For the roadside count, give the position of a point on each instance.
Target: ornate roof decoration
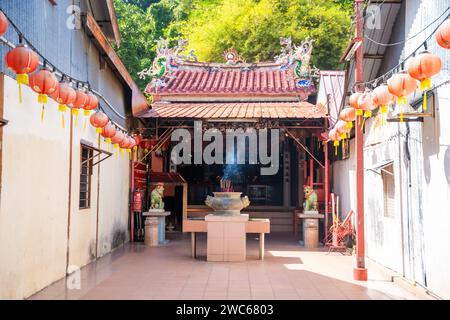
(232, 57)
(166, 62)
(290, 74)
(296, 60)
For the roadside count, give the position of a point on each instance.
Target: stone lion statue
(310, 203)
(157, 194)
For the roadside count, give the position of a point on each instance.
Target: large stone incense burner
(227, 202)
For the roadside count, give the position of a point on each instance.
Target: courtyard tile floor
(288, 272)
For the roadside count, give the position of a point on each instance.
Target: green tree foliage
(255, 27)
(252, 27)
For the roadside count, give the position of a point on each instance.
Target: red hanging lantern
(382, 98)
(132, 144)
(342, 128)
(22, 61)
(44, 83)
(348, 114)
(108, 132)
(79, 103)
(335, 137)
(65, 95)
(138, 138)
(422, 68)
(124, 143)
(117, 139)
(353, 101)
(148, 144)
(401, 85)
(99, 120)
(91, 104)
(365, 103)
(3, 24)
(443, 35)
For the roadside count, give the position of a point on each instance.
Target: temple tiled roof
(241, 110)
(232, 81)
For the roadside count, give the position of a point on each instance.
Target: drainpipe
(359, 271)
(69, 201)
(98, 203)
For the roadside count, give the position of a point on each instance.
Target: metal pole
(327, 190)
(360, 271)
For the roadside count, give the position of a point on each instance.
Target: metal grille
(387, 174)
(85, 177)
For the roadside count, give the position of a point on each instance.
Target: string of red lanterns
(24, 61)
(421, 69)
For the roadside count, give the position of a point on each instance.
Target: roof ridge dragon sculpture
(297, 61)
(166, 62)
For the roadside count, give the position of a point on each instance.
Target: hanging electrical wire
(401, 65)
(410, 38)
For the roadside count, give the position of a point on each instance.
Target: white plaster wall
(436, 196)
(343, 181)
(435, 164)
(35, 194)
(33, 204)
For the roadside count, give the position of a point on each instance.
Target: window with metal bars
(85, 177)
(387, 174)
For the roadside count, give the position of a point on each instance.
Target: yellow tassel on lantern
(22, 79)
(129, 153)
(424, 103)
(343, 146)
(63, 109)
(359, 112)
(336, 145)
(116, 146)
(87, 113)
(108, 140)
(383, 111)
(42, 113)
(402, 101)
(42, 98)
(98, 130)
(349, 124)
(425, 84)
(367, 114)
(75, 113)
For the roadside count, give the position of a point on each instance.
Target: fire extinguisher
(137, 201)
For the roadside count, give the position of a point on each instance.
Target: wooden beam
(139, 103)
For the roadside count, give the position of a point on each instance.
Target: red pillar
(327, 189)
(360, 271)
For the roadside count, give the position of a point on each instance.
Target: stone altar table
(226, 237)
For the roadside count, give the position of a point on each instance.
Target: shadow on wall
(430, 140)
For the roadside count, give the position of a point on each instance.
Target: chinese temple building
(235, 94)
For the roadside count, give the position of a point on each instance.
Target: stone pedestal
(226, 237)
(151, 232)
(311, 228)
(161, 216)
